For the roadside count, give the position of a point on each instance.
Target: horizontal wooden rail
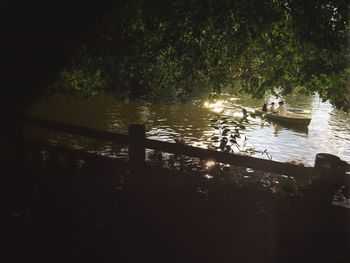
(121, 139)
(74, 153)
(234, 159)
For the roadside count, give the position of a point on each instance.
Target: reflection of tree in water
(339, 125)
(278, 129)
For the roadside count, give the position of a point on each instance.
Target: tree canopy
(170, 49)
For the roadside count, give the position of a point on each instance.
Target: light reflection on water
(190, 123)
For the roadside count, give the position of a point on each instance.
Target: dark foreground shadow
(101, 213)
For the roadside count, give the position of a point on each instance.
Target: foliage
(227, 132)
(83, 75)
(167, 49)
(228, 135)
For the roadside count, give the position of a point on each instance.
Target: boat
(290, 118)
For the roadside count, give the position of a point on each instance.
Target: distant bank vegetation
(171, 50)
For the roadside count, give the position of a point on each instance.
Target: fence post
(136, 147)
(331, 173)
(330, 168)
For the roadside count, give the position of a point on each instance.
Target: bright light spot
(208, 176)
(209, 164)
(218, 110)
(216, 106)
(237, 114)
(218, 103)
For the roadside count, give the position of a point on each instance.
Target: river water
(190, 122)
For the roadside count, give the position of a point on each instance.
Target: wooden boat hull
(290, 118)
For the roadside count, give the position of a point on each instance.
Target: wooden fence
(330, 166)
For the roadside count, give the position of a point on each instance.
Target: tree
(167, 49)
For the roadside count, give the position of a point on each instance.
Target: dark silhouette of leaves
(225, 131)
(223, 143)
(233, 141)
(227, 148)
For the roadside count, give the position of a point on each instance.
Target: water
(190, 122)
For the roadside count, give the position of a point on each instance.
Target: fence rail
(234, 159)
(117, 138)
(138, 143)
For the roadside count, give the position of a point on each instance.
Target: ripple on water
(327, 132)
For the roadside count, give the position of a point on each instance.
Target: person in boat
(281, 110)
(272, 108)
(264, 107)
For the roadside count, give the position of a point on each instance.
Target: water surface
(190, 122)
